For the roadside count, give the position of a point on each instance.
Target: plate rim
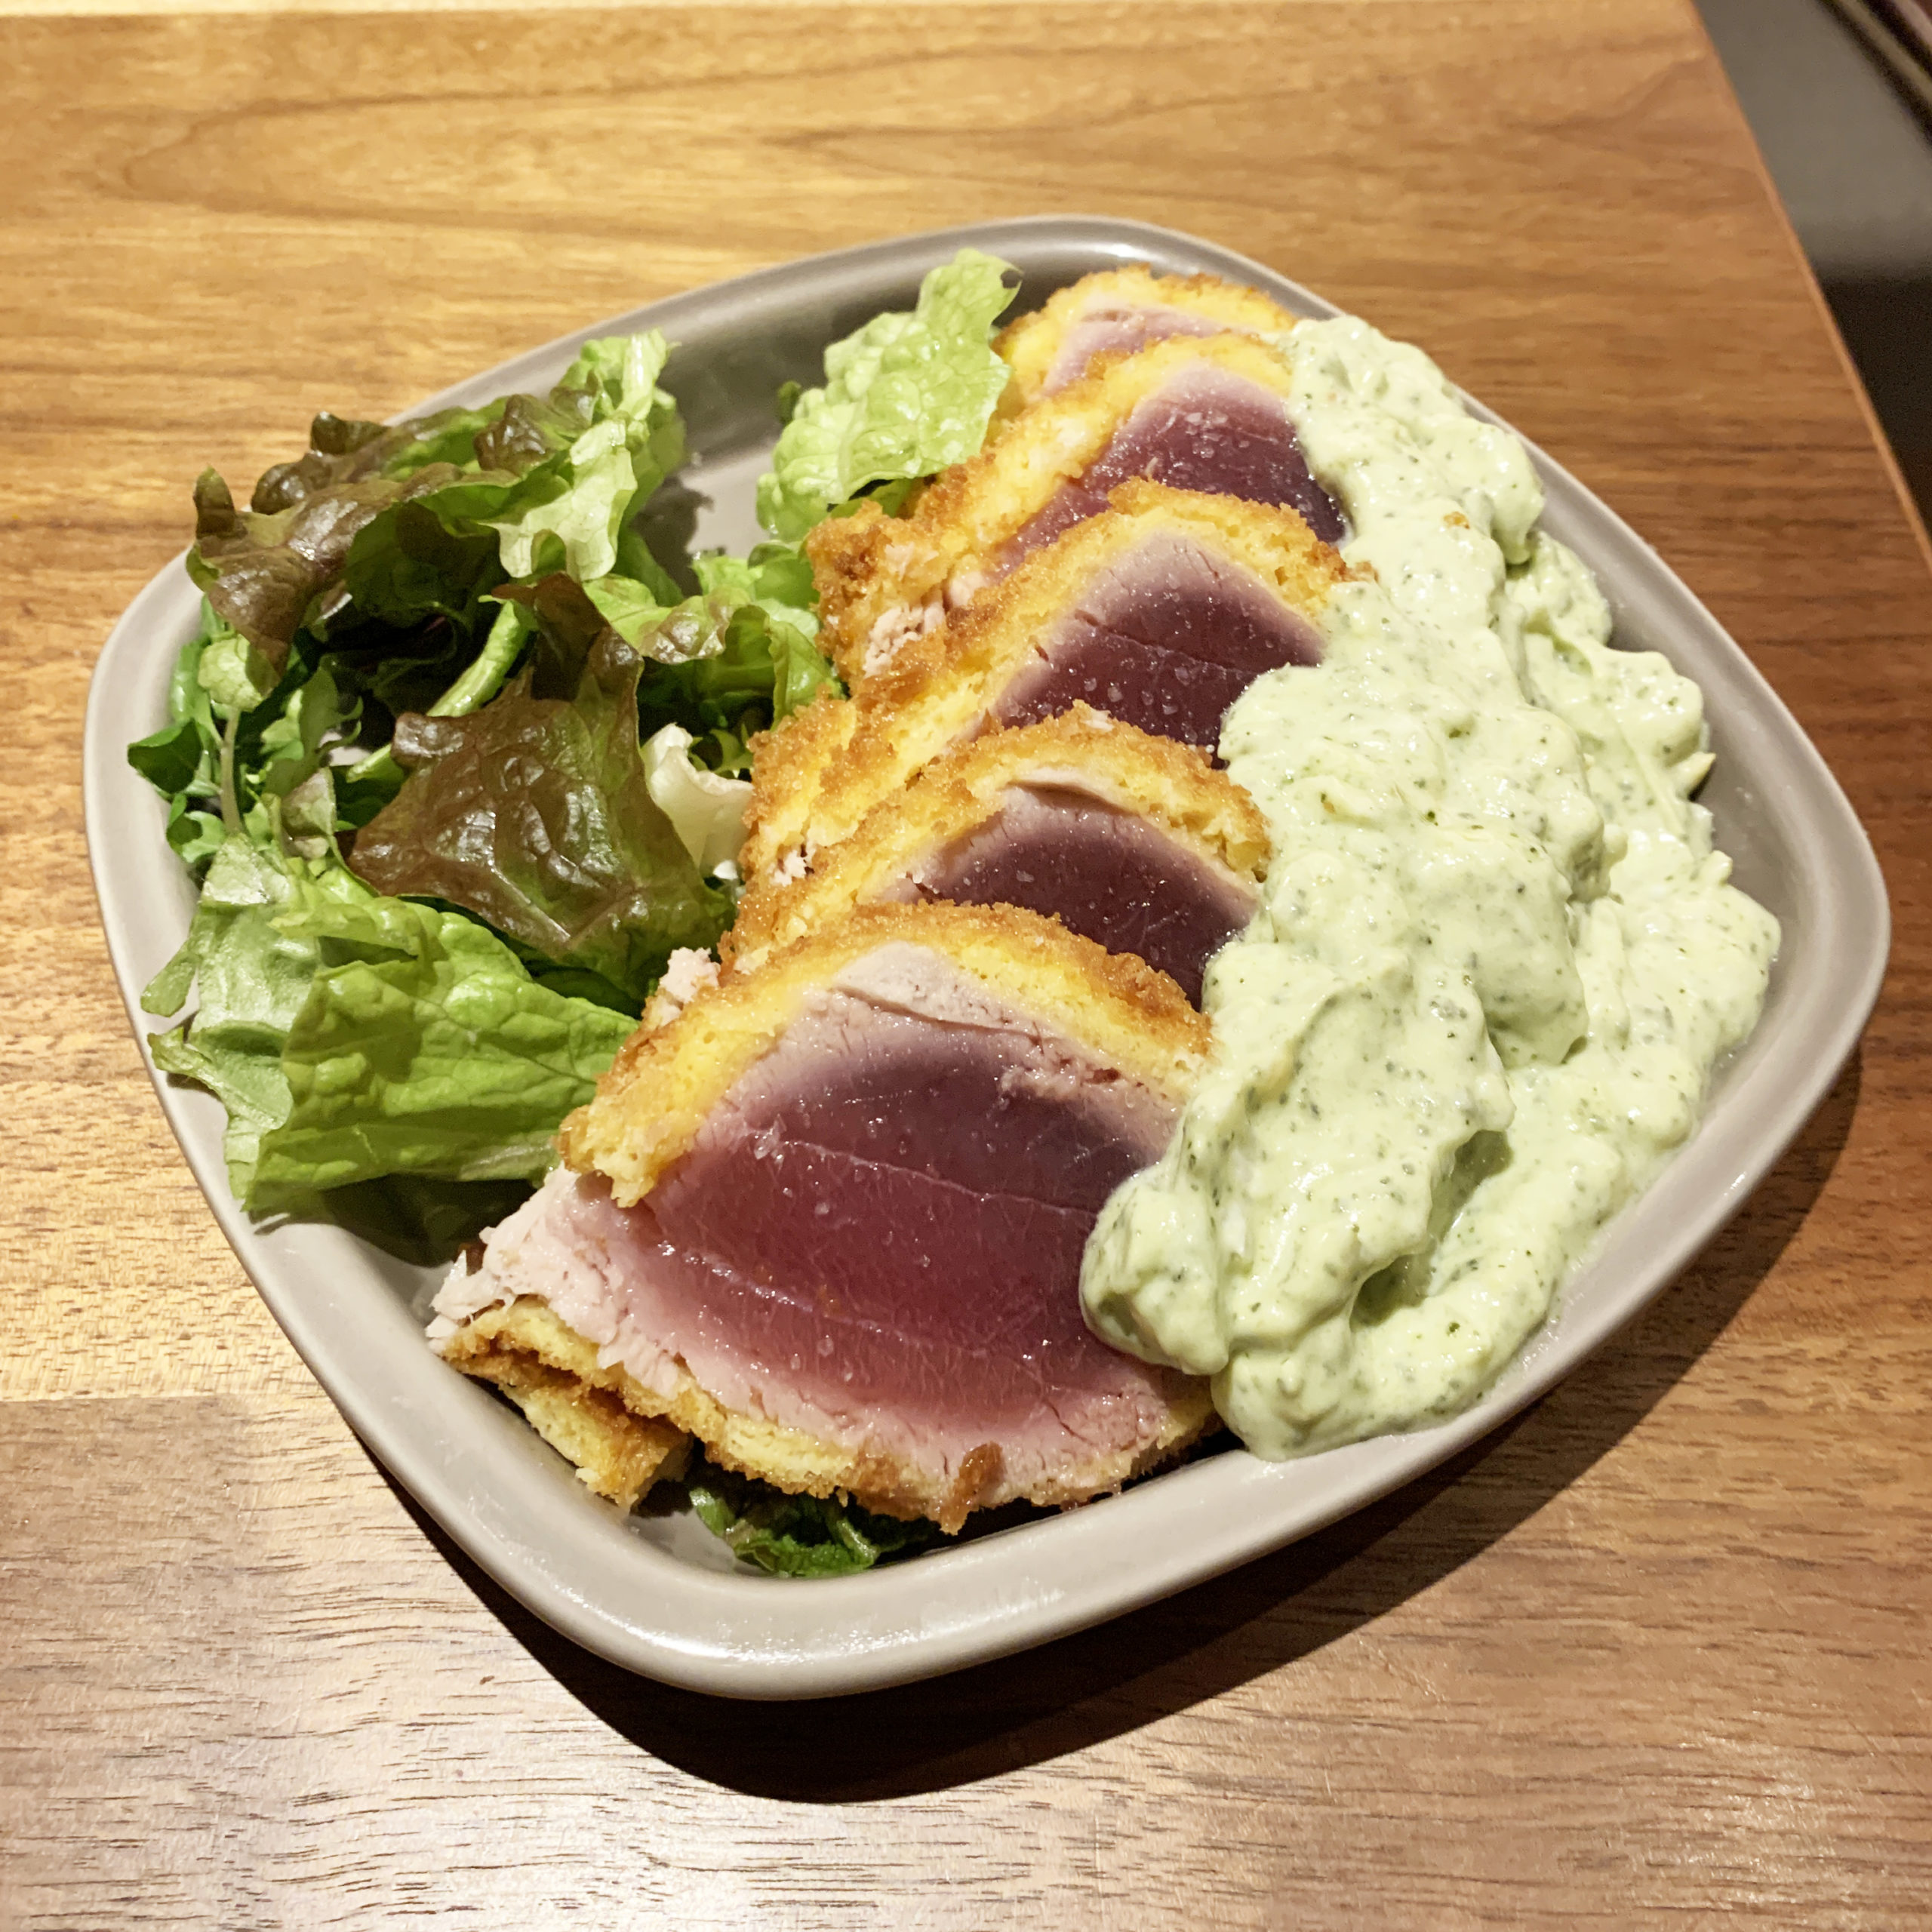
(783, 1639)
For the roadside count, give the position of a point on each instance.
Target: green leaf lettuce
(350, 1036)
(276, 567)
(400, 524)
(904, 396)
(535, 814)
(797, 1535)
(251, 977)
(569, 510)
(425, 1048)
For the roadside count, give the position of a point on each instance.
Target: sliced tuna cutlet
(1135, 842)
(1118, 312)
(1160, 612)
(1210, 414)
(830, 1219)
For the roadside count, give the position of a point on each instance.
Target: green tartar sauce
(1496, 958)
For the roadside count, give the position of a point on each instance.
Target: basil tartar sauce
(1496, 958)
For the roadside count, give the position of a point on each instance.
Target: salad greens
(534, 814)
(903, 397)
(797, 1535)
(458, 762)
(424, 1047)
(402, 618)
(351, 1036)
(252, 979)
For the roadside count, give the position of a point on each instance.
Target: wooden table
(1657, 1648)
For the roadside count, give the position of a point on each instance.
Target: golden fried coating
(608, 1424)
(665, 1080)
(1173, 785)
(597, 1418)
(1033, 344)
(622, 1437)
(923, 620)
(791, 764)
(856, 752)
(885, 581)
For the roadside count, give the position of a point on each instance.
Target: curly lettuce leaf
(569, 510)
(724, 675)
(183, 760)
(317, 715)
(262, 572)
(720, 668)
(561, 478)
(250, 977)
(343, 451)
(629, 606)
(421, 558)
(904, 396)
(423, 1047)
(276, 566)
(797, 1535)
(798, 673)
(535, 814)
(776, 576)
(351, 1037)
(400, 525)
(228, 746)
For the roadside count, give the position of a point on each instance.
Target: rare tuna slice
(1158, 613)
(1118, 311)
(1102, 872)
(1211, 414)
(828, 1217)
(1166, 636)
(1207, 429)
(1133, 841)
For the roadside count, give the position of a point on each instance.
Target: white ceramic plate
(659, 1594)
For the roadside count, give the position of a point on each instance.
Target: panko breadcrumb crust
(1031, 344)
(1173, 784)
(596, 1416)
(875, 572)
(816, 776)
(664, 1082)
(606, 1422)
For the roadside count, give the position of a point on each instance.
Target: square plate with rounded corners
(657, 1594)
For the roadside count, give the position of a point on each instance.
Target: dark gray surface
(1847, 143)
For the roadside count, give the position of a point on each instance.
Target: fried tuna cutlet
(1136, 842)
(1118, 311)
(1160, 612)
(1208, 414)
(830, 1219)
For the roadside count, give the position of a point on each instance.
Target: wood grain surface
(1656, 1651)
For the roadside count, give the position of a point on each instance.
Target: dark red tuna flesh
(1122, 331)
(1111, 875)
(1207, 430)
(1167, 637)
(888, 1214)
(875, 1239)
